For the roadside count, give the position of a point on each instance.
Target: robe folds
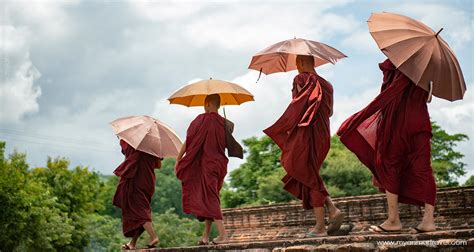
(135, 189)
(203, 167)
(303, 135)
(392, 137)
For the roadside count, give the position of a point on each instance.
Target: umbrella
(149, 135)
(194, 94)
(281, 57)
(420, 53)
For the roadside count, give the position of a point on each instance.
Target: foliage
(258, 180)
(469, 181)
(446, 161)
(58, 208)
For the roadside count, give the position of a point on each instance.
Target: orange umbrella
(149, 135)
(195, 93)
(420, 53)
(281, 57)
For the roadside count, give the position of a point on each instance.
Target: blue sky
(71, 67)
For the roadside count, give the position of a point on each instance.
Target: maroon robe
(303, 135)
(135, 189)
(203, 167)
(391, 136)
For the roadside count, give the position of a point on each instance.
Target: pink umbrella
(281, 57)
(149, 135)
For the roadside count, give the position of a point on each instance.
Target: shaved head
(305, 60)
(213, 100)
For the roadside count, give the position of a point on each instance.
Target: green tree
(77, 192)
(344, 174)
(469, 181)
(446, 161)
(256, 181)
(30, 219)
(167, 190)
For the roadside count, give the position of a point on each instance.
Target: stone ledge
(361, 242)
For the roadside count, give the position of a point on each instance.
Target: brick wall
(454, 209)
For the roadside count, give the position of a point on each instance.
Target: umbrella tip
(438, 32)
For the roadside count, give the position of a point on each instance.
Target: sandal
(382, 230)
(153, 245)
(415, 230)
(312, 234)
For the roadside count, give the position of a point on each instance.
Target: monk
(303, 135)
(391, 136)
(202, 166)
(134, 193)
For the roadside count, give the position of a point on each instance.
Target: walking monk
(134, 193)
(203, 167)
(303, 135)
(391, 136)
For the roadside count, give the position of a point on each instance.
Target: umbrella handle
(259, 74)
(224, 112)
(430, 94)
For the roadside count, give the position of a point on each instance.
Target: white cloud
(47, 20)
(255, 26)
(159, 11)
(18, 94)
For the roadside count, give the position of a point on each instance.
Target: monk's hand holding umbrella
(302, 132)
(392, 135)
(202, 163)
(144, 141)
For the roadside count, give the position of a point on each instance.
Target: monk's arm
(181, 152)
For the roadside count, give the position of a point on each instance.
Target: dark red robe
(303, 135)
(203, 167)
(135, 189)
(392, 135)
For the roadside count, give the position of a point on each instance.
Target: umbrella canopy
(149, 135)
(420, 53)
(195, 93)
(281, 57)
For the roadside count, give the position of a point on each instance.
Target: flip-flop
(419, 231)
(335, 223)
(312, 234)
(217, 243)
(153, 245)
(384, 231)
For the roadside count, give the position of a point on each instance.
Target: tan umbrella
(195, 93)
(420, 53)
(281, 57)
(149, 135)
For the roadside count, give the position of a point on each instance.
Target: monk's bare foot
(203, 241)
(128, 246)
(220, 240)
(334, 212)
(423, 228)
(336, 217)
(387, 226)
(153, 243)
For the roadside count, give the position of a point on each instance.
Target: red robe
(303, 135)
(135, 189)
(203, 167)
(391, 136)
